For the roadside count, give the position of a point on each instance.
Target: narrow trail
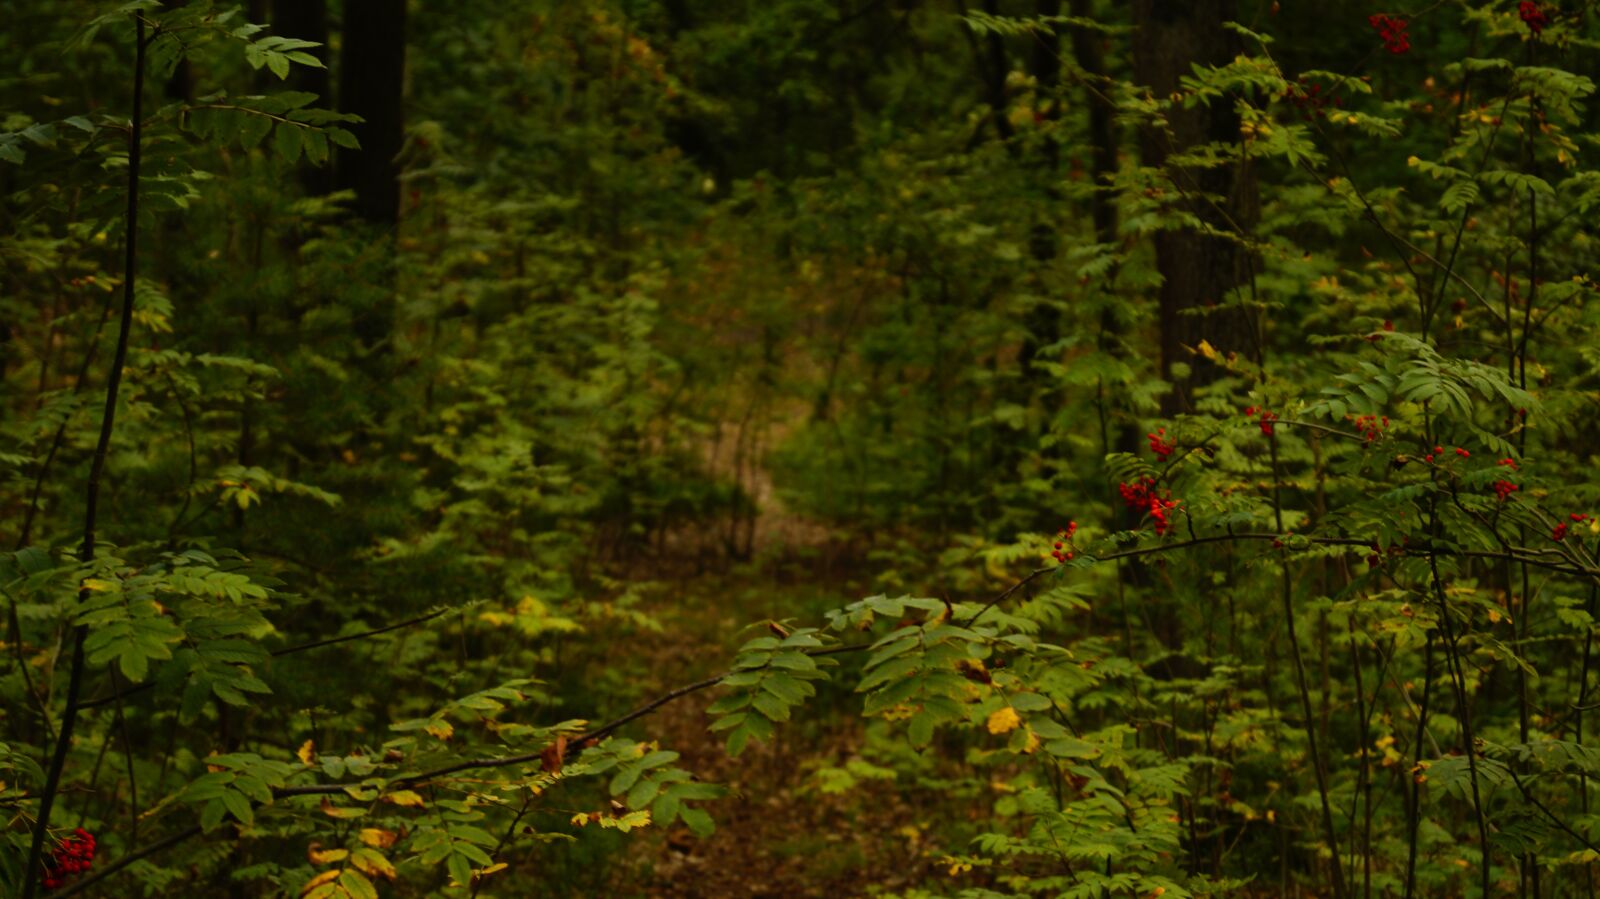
(779, 834)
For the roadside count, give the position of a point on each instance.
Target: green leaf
(287, 141)
(771, 706)
(252, 129)
(698, 822)
(316, 145)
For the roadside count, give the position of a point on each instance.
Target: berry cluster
(1439, 451)
(1560, 531)
(72, 857)
(1372, 427)
(1142, 495)
(1308, 97)
(1063, 548)
(1532, 15)
(1504, 489)
(1393, 31)
(1263, 416)
(1159, 444)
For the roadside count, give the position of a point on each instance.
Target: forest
(916, 449)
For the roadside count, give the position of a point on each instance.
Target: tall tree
(371, 85)
(1198, 270)
(307, 20)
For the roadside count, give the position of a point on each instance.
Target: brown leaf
(551, 758)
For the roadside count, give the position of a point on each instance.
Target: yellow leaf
(581, 819)
(409, 798)
(307, 752)
(378, 838)
(1004, 720)
(326, 856)
(1207, 350)
(319, 880)
(440, 729)
(495, 868)
(1033, 743)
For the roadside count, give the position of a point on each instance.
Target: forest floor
(778, 834)
(787, 829)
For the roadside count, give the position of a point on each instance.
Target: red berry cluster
(1504, 489)
(1308, 97)
(1560, 531)
(1372, 427)
(1142, 495)
(1159, 444)
(72, 857)
(1532, 16)
(1439, 451)
(1063, 547)
(1265, 418)
(1393, 31)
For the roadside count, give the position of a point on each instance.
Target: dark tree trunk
(307, 20)
(1198, 271)
(372, 64)
(1044, 64)
(371, 80)
(993, 65)
(1088, 48)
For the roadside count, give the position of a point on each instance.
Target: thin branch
(58, 760)
(143, 852)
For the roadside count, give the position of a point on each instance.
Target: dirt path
(779, 834)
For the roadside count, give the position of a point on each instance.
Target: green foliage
(401, 524)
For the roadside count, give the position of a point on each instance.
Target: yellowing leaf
(378, 837)
(337, 811)
(319, 880)
(408, 798)
(326, 856)
(307, 752)
(581, 819)
(495, 868)
(373, 862)
(1207, 350)
(1003, 720)
(440, 729)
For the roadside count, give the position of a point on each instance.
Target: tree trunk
(372, 66)
(371, 82)
(1044, 64)
(307, 20)
(1198, 271)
